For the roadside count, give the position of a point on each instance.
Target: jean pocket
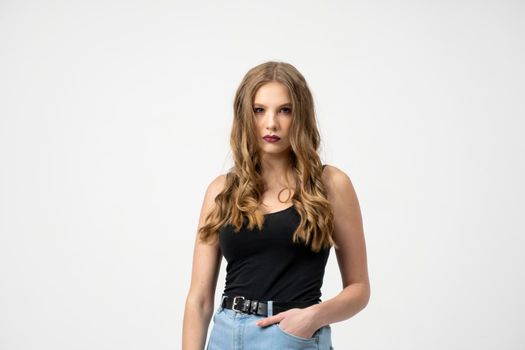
(296, 337)
(217, 311)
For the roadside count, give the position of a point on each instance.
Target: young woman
(274, 217)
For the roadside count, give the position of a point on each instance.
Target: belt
(260, 308)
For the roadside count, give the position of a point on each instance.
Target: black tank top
(267, 265)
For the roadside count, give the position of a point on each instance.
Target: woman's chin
(275, 152)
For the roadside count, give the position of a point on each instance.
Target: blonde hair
(242, 193)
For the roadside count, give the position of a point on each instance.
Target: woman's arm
(205, 270)
(351, 252)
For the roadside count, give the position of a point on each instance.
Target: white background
(115, 116)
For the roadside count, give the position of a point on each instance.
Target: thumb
(270, 320)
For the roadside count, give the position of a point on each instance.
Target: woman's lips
(271, 138)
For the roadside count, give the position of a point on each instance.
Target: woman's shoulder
(331, 173)
(335, 179)
(216, 185)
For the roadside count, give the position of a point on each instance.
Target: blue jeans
(238, 331)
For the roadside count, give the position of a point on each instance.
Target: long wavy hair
(242, 194)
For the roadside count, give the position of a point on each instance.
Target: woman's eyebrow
(284, 104)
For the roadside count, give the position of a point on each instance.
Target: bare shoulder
(216, 185)
(343, 199)
(348, 227)
(336, 181)
(206, 257)
(208, 202)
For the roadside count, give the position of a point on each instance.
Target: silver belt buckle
(236, 303)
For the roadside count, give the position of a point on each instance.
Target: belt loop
(269, 305)
(222, 301)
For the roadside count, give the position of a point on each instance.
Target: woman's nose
(270, 121)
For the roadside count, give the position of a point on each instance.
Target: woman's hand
(299, 322)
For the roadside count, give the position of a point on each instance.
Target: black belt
(260, 308)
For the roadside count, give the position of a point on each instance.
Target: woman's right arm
(206, 264)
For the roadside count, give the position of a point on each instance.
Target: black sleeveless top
(267, 265)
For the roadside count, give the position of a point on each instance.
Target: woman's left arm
(351, 252)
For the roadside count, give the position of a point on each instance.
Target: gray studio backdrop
(115, 116)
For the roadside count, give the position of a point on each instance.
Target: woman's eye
(285, 110)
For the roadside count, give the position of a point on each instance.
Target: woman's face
(273, 116)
